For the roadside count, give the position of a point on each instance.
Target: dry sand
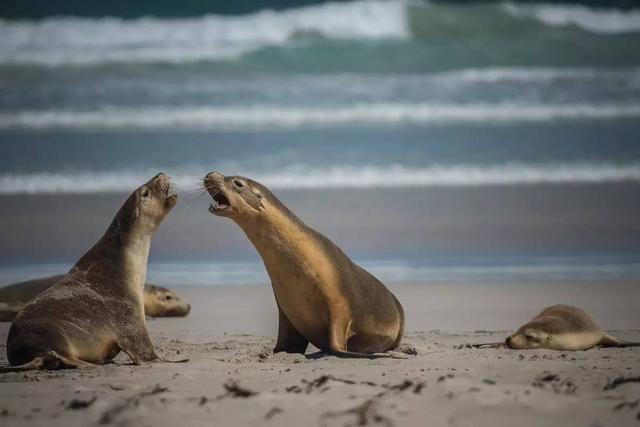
(232, 377)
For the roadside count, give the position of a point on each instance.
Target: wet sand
(232, 378)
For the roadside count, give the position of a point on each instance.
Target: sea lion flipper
(609, 341)
(339, 333)
(138, 347)
(289, 339)
(49, 361)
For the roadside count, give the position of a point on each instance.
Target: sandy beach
(232, 378)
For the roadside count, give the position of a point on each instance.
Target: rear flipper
(49, 361)
(356, 355)
(483, 345)
(339, 333)
(609, 341)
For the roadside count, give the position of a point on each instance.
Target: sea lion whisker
(372, 309)
(186, 204)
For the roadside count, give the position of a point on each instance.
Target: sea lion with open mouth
(97, 309)
(158, 301)
(322, 296)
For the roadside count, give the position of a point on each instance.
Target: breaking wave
(278, 117)
(301, 176)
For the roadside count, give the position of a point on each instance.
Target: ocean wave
(301, 176)
(629, 76)
(278, 117)
(604, 21)
(64, 40)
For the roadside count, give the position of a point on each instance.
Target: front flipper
(289, 339)
(138, 346)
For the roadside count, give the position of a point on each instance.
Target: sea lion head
(146, 207)
(530, 336)
(236, 197)
(161, 302)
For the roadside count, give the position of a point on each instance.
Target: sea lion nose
(161, 176)
(508, 342)
(214, 177)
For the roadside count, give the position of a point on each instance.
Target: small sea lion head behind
(161, 302)
(146, 207)
(237, 197)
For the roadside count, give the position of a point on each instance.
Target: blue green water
(365, 94)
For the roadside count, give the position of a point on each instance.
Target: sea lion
(97, 309)
(562, 327)
(322, 296)
(158, 301)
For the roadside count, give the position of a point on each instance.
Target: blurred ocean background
(433, 142)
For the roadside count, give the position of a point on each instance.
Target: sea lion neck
(119, 257)
(273, 229)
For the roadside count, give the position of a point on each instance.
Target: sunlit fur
(323, 296)
(559, 327)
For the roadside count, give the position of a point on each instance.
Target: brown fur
(562, 327)
(322, 296)
(96, 310)
(158, 301)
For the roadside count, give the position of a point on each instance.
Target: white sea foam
(629, 76)
(302, 176)
(605, 21)
(267, 117)
(84, 41)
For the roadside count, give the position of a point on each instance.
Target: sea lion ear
(136, 210)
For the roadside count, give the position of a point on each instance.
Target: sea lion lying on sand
(560, 327)
(322, 296)
(97, 309)
(158, 301)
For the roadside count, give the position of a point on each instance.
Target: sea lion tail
(609, 341)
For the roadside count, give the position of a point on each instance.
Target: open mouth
(169, 194)
(220, 202)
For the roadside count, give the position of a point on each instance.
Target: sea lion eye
(168, 297)
(238, 183)
(145, 192)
